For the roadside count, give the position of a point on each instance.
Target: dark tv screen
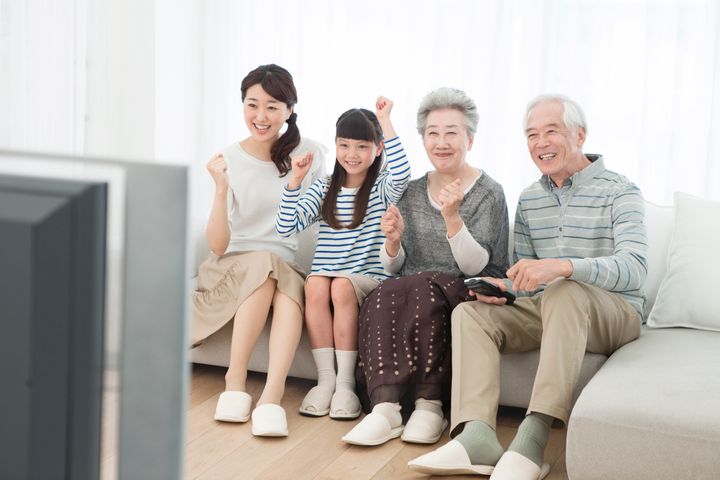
(52, 284)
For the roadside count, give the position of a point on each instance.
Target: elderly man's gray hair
(573, 115)
(446, 97)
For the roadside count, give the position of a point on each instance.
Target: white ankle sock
(434, 406)
(391, 411)
(325, 362)
(346, 360)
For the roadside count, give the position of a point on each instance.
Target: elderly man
(580, 251)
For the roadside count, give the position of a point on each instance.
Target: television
(52, 279)
(146, 258)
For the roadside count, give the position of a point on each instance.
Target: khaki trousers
(566, 320)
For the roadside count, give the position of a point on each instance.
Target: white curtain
(42, 75)
(647, 73)
(160, 79)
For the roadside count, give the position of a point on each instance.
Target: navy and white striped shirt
(354, 250)
(598, 224)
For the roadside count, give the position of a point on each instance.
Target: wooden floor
(313, 450)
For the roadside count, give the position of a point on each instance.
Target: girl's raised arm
(297, 213)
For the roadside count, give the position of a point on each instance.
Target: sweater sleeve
(489, 227)
(470, 256)
(626, 268)
(296, 212)
(392, 186)
(392, 264)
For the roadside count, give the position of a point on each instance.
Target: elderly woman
(450, 224)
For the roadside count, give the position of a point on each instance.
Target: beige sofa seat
(651, 412)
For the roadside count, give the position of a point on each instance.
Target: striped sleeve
(392, 186)
(296, 212)
(626, 268)
(522, 242)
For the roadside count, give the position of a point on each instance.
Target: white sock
(346, 360)
(434, 406)
(391, 411)
(325, 362)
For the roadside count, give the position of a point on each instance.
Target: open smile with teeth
(547, 156)
(262, 128)
(352, 164)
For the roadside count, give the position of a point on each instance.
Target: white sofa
(652, 411)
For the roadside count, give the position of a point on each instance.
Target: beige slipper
(316, 402)
(450, 459)
(513, 466)
(424, 426)
(345, 405)
(269, 420)
(233, 406)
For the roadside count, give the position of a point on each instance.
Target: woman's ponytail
(280, 151)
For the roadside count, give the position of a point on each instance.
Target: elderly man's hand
(490, 299)
(529, 274)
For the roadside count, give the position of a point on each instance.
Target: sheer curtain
(42, 79)
(647, 73)
(161, 79)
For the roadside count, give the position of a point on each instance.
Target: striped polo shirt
(598, 223)
(346, 250)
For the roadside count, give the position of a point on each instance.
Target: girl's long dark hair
(355, 124)
(278, 83)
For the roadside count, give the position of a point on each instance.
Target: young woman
(251, 268)
(346, 266)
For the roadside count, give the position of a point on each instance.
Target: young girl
(251, 268)
(346, 266)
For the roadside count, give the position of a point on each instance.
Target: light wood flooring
(313, 450)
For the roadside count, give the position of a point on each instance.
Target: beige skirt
(225, 282)
(363, 285)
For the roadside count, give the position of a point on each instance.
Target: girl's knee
(317, 290)
(342, 291)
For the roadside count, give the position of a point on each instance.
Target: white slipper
(345, 405)
(316, 402)
(424, 426)
(374, 429)
(233, 406)
(269, 420)
(450, 459)
(513, 466)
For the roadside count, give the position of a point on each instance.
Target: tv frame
(84, 318)
(153, 364)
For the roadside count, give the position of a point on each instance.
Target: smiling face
(555, 149)
(264, 115)
(356, 157)
(446, 140)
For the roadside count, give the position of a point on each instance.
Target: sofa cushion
(651, 412)
(687, 296)
(659, 222)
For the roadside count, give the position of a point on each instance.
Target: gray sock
(532, 437)
(480, 442)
